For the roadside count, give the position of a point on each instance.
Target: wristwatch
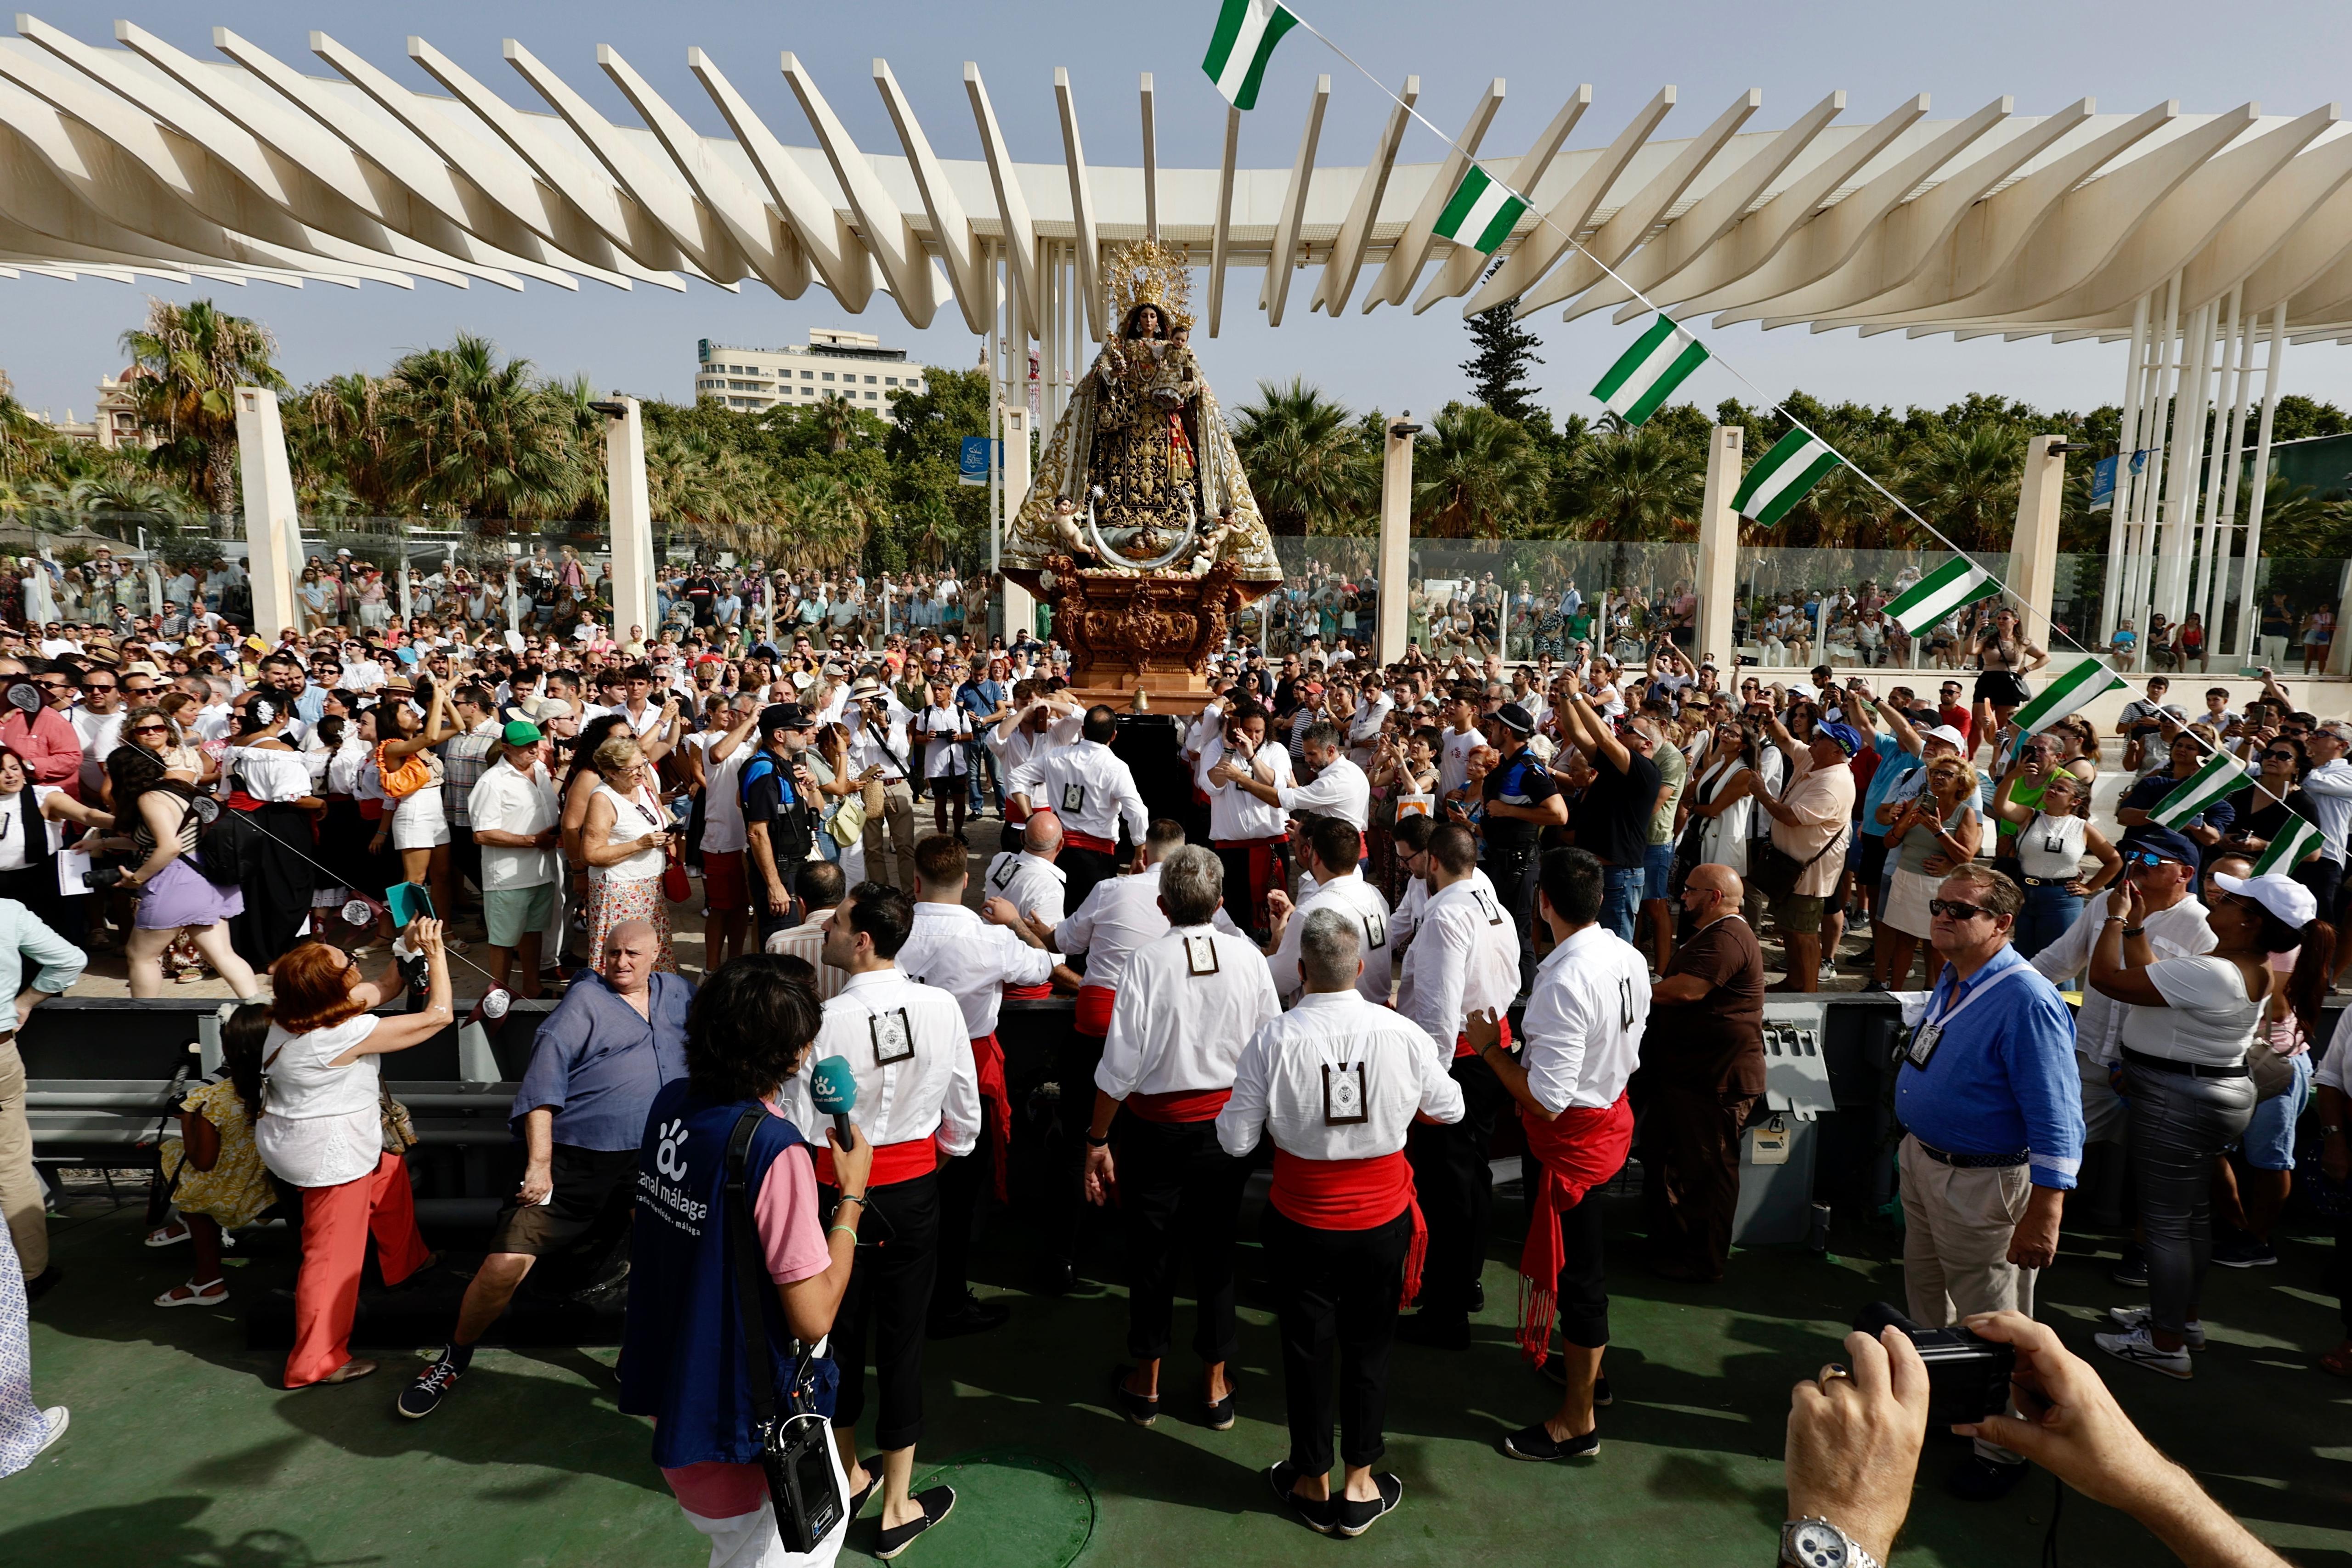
(1815, 1543)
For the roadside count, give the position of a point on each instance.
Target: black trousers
(1513, 872)
(1456, 1188)
(890, 1283)
(1690, 1184)
(1180, 1197)
(1583, 1283)
(278, 880)
(1336, 1286)
(1239, 907)
(1081, 870)
(962, 1180)
(1065, 1145)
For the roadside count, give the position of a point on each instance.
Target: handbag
(405, 778)
(676, 886)
(848, 823)
(399, 1127)
(795, 1440)
(2273, 1074)
(1774, 873)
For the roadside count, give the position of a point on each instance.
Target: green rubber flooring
(182, 1453)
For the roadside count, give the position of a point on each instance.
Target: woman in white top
(714, 765)
(2186, 1034)
(269, 785)
(625, 840)
(32, 832)
(322, 1129)
(2051, 843)
(1723, 801)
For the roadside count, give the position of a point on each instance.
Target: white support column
(2119, 499)
(633, 519)
(1718, 552)
(2178, 506)
(2140, 592)
(2234, 446)
(1013, 417)
(2259, 482)
(1396, 540)
(2034, 548)
(269, 515)
(2213, 549)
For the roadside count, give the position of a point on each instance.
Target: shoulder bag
(1773, 871)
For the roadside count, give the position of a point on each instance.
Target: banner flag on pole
(1797, 462)
(2077, 687)
(1246, 32)
(1956, 585)
(2289, 849)
(1482, 213)
(1647, 374)
(2188, 800)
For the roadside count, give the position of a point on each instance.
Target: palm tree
(1630, 484)
(1966, 480)
(468, 435)
(1479, 475)
(191, 359)
(338, 443)
(837, 419)
(1306, 462)
(1847, 509)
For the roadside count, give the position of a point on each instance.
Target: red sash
(1094, 1009)
(1179, 1105)
(892, 1162)
(1029, 993)
(988, 1056)
(1078, 840)
(1579, 1149)
(1265, 866)
(1353, 1194)
(1462, 1041)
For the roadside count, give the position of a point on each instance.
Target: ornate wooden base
(1131, 633)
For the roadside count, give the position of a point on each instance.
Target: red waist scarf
(1352, 1195)
(1579, 1149)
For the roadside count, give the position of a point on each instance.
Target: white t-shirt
(722, 793)
(2211, 1019)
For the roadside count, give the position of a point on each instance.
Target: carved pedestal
(1152, 634)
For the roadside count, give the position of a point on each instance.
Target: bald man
(613, 1042)
(1702, 1073)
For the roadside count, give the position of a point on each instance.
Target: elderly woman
(322, 1130)
(2189, 1025)
(625, 840)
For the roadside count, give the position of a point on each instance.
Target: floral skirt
(613, 903)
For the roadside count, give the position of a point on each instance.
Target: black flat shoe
(857, 1500)
(936, 1503)
(1314, 1516)
(1534, 1443)
(1217, 1415)
(1351, 1519)
(1127, 1402)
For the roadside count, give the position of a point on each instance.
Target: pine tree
(1497, 367)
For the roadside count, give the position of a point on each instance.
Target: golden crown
(1146, 272)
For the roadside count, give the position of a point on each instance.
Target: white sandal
(207, 1295)
(162, 1236)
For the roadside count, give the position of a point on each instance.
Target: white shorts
(1907, 893)
(419, 823)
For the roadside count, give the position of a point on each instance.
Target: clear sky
(57, 339)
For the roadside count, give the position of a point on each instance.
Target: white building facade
(834, 362)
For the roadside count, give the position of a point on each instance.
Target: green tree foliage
(1312, 464)
(191, 359)
(1476, 474)
(1501, 350)
(472, 437)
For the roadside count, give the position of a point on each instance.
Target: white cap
(1949, 735)
(2284, 897)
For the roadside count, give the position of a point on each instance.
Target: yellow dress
(237, 1187)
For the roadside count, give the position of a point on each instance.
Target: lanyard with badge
(1930, 1032)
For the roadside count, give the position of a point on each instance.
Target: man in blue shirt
(616, 1038)
(1987, 1093)
(982, 695)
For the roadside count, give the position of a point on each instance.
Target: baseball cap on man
(519, 732)
(2164, 843)
(777, 716)
(1848, 739)
(1514, 719)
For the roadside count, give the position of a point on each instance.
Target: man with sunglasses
(97, 722)
(44, 739)
(2329, 787)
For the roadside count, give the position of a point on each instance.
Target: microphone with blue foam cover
(834, 1089)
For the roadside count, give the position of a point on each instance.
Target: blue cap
(833, 1087)
(1848, 738)
(2164, 843)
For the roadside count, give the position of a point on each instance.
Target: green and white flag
(1246, 32)
(2188, 800)
(2289, 848)
(2079, 687)
(1648, 373)
(1482, 213)
(1956, 585)
(1797, 462)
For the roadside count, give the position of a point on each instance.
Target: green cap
(520, 732)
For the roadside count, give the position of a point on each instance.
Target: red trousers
(336, 1224)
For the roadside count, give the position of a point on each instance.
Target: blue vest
(681, 1356)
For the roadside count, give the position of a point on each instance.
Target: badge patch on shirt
(893, 1037)
(1487, 904)
(1922, 1044)
(1200, 955)
(1344, 1102)
(1073, 797)
(1003, 876)
(1376, 932)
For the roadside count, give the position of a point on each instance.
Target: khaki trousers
(892, 862)
(21, 1202)
(1955, 1229)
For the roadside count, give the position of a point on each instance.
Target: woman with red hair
(321, 1130)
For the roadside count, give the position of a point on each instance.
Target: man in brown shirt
(1702, 1074)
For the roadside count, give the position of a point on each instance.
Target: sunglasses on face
(2143, 858)
(2279, 757)
(1955, 908)
(150, 729)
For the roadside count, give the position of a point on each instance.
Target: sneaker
(2136, 1345)
(1351, 1519)
(2143, 1316)
(937, 1504)
(2131, 1269)
(54, 1421)
(1534, 1443)
(2244, 1251)
(423, 1396)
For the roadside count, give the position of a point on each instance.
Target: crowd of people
(1319, 975)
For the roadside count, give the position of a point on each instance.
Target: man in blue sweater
(1989, 1094)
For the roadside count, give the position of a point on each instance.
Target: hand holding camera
(1854, 1435)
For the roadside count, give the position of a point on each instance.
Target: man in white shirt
(514, 812)
(1372, 709)
(1028, 879)
(952, 948)
(918, 1097)
(1584, 1026)
(1092, 790)
(1335, 1083)
(2328, 786)
(1251, 836)
(878, 739)
(1186, 1003)
(1340, 788)
(1040, 721)
(1465, 959)
(1327, 854)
